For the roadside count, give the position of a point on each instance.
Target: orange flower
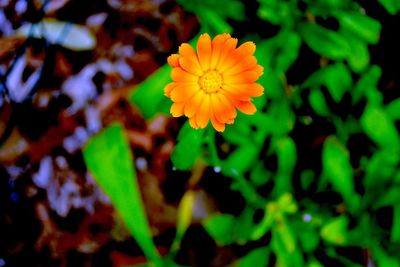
(212, 83)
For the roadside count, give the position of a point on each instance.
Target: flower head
(211, 84)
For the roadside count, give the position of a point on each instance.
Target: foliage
(300, 141)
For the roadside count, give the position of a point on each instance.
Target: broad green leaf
(335, 231)
(242, 158)
(337, 168)
(380, 128)
(149, 95)
(66, 34)
(109, 159)
(324, 42)
(188, 147)
(337, 78)
(361, 26)
(256, 258)
(359, 57)
(392, 6)
(221, 228)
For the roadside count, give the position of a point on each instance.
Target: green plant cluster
(300, 142)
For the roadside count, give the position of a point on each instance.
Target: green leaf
(337, 168)
(214, 21)
(392, 6)
(382, 258)
(380, 128)
(109, 159)
(188, 147)
(359, 57)
(367, 83)
(335, 231)
(242, 158)
(361, 26)
(276, 12)
(381, 167)
(392, 109)
(149, 95)
(277, 54)
(287, 155)
(66, 34)
(309, 239)
(256, 258)
(324, 42)
(395, 235)
(220, 228)
(318, 103)
(337, 78)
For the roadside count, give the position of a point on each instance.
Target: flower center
(210, 82)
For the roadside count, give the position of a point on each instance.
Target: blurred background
(95, 172)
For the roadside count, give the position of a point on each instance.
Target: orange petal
(232, 59)
(227, 105)
(243, 77)
(184, 91)
(192, 123)
(187, 50)
(247, 63)
(247, 49)
(173, 60)
(217, 44)
(191, 65)
(246, 107)
(220, 127)
(220, 111)
(193, 103)
(177, 109)
(179, 75)
(227, 49)
(168, 89)
(234, 93)
(204, 51)
(203, 112)
(249, 90)
(259, 69)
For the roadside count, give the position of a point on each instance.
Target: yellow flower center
(210, 82)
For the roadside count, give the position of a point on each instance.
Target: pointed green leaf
(324, 42)
(109, 159)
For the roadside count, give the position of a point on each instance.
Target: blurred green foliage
(300, 226)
